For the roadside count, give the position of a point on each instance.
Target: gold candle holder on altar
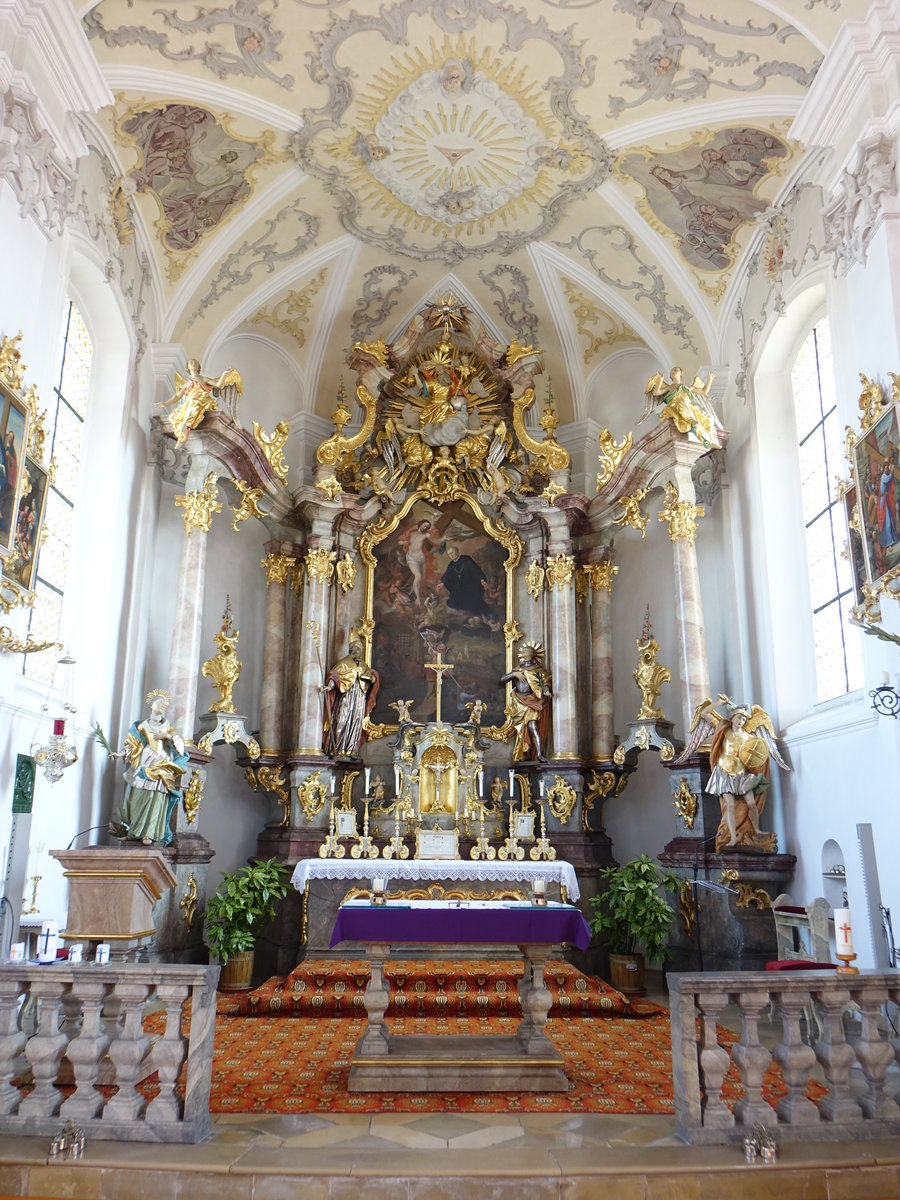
(35, 880)
(844, 967)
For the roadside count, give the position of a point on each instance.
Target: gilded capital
(560, 571)
(278, 567)
(681, 515)
(320, 563)
(200, 507)
(601, 574)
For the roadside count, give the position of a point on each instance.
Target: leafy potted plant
(636, 917)
(243, 901)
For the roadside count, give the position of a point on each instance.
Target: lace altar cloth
(436, 870)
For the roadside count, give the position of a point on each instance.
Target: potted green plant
(635, 917)
(244, 901)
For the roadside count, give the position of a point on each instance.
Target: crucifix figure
(439, 668)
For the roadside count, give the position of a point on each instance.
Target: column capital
(681, 515)
(278, 567)
(320, 563)
(560, 571)
(200, 505)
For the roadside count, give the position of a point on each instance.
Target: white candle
(396, 779)
(542, 785)
(367, 774)
(481, 784)
(886, 679)
(843, 936)
(378, 884)
(512, 782)
(539, 887)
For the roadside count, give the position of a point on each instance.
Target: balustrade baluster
(836, 1057)
(874, 1053)
(127, 1052)
(86, 1052)
(752, 1059)
(796, 1060)
(11, 1042)
(44, 1050)
(168, 1054)
(713, 1061)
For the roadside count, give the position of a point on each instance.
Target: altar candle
(396, 779)
(542, 785)
(481, 784)
(886, 679)
(843, 936)
(539, 887)
(367, 775)
(512, 782)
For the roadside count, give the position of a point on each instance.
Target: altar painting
(878, 486)
(439, 588)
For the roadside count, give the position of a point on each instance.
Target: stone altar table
(524, 1062)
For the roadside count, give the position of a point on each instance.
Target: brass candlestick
(35, 880)
(844, 967)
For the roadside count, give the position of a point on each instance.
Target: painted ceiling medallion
(458, 147)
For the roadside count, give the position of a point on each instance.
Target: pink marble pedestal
(111, 897)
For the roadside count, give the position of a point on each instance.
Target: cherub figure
(688, 408)
(402, 707)
(195, 396)
(742, 744)
(476, 711)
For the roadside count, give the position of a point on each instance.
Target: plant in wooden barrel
(243, 902)
(635, 917)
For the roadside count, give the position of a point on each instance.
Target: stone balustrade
(853, 1054)
(82, 1024)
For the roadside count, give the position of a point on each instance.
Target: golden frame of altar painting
(438, 495)
(876, 472)
(14, 417)
(855, 551)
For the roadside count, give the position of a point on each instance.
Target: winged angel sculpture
(741, 746)
(197, 395)
(688, 408)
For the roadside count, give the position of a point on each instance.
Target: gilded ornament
(224, 668)
(534, 578)
(623, 781)
(631, 511)
(249, 505)
(273, 781)
(687, 906)
(188, 902)
(548, 455)
(231, 732)
(748, 894)
(600, 786)
(611, 454)
(649, 675)
(197, 395)
(205, 744)
(871, 401)
(688, 408)
(582, 584)
(12, 369)
(253, 748)
(330, 487)
(561, 799)
(192, 796)
(37, 434)
(335, 450)
(560, 571)
(666, 750)
(601, 574)
(514, 352)
(346, 573)
(551, 491)
(312, 795)
(320, 563)
(682, 515)
(200, 506)
(272, 447)
(619, 758)
(250, 778)
(278, 567)
(686, 803)
(10, 643)
(378, 350)
(512, 633)
(642, 739)
(290, 314)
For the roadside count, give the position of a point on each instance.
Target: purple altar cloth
(518, 925)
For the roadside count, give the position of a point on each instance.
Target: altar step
(443, 987)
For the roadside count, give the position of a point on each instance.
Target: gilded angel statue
(742, 744)
(688, 408)
(197, 395)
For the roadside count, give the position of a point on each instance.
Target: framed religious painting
(20, 567)
(855, 550)
(13, 447)
(877, 473)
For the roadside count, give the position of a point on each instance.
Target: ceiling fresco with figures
(587, 175)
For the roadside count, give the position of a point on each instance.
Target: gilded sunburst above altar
(459, 147)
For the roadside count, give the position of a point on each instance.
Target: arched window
(65, 426)
(837, 657)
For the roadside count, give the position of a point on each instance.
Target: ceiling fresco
(586, 175)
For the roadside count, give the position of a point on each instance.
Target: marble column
(292, 669)
(277, 566)
(199, 504)
(682, 513)
(561, 621)
(319, 563)
(603, 735)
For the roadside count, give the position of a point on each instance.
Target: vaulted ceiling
(587, 174)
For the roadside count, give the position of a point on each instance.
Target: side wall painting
(440, 587)
(13, 425)
(878, 479)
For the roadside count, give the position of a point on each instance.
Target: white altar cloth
(436, 870)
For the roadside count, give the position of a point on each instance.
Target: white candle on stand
(843, 935)
(367, 773)
(396, 780)
(512, 782)
(481, 783)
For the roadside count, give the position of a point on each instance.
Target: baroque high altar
(437, 671)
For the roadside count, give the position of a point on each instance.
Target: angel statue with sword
(740, 748)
